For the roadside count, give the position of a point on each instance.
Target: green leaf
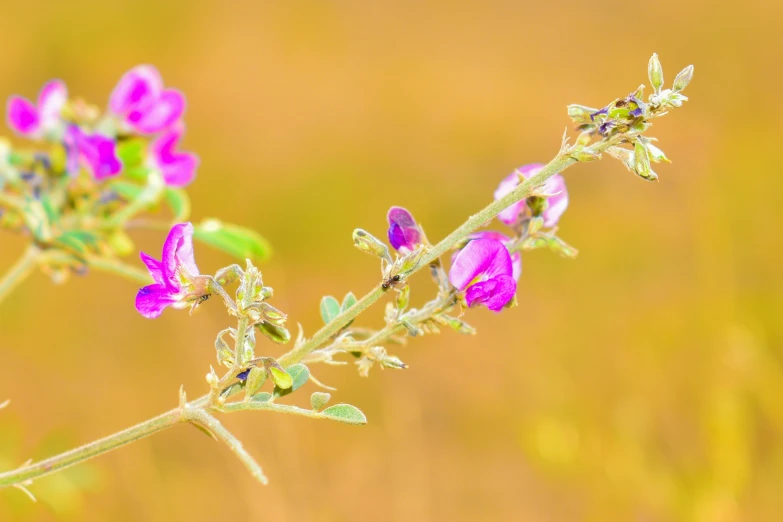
(319, 399)
(330, 308)
(345, 413)
(261, 397)
(127, 191)
(239, 242)
(179, 203)
(299, 376)
(77, 241)
(348, 301)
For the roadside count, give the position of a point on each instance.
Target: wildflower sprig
(92, 175)
(485, 268)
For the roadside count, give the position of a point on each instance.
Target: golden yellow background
(642, 381)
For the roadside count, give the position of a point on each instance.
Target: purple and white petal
(137, 87)
(152, 299)
(51, 101)
(404, 234)
(557, 203)
(159, 115)
(485, 258)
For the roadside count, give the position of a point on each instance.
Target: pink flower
(484, 270)
(96, 151)
(554, 205)
(516, 257)
(178, 168)
(142, 103)
(172, 275)
(35, 120)
(404, 234)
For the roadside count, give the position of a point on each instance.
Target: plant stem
(93, 449)
(196, 411)
(12, 202)
(524, 190)
(114, 266)
(211, 424)
(19, 271)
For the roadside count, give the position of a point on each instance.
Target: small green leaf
(330, 308)
(345, 413)
(348, 301)
(319, 399)
(261, 397)
(77, 241)
(233, 389)
(179, 203)
(239, 242)
(299, 375)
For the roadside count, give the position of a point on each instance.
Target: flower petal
(141, 85)
(494, 293)
(558, 202)
(155, 268)
(51, 100)
(152, 299)
(516, 257)
(510, 214)
(100, 153)
(487, 258)
(163, 113)
(178, 168)
(178, 251)
(404, 234)
(23, 116)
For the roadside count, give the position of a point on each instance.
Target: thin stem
(212, 425)
(104, 264)
(524, 190)
(93, 449)
(114, 266)
(19, 271)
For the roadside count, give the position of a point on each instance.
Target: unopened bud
(655, 73)
(403, 297)
(682, 79)
(255, 379)
(272, 314)
(641, 162)
(370, 244)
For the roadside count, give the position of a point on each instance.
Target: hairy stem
(524, 190)
(19, 271)
(93, 449)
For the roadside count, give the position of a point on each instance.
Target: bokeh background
(642, 381)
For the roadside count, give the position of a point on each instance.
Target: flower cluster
(139, 108)
(487, 268)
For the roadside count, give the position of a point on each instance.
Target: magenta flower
(404, 233)
(142, 103)
(484, 270)
(516, 257)
(178, 168)
(96, 151)
(554, 206)
(173, 275)
(34, 120)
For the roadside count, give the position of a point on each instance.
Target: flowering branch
(484, 271)
(94, 172)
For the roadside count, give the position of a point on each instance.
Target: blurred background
(642, 381)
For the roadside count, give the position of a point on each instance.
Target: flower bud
(272, 315)
(255, 379)
(682, 79)
(655, 73)
(275, 333)
(641, 162)
(404, 234)
(365, 241)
